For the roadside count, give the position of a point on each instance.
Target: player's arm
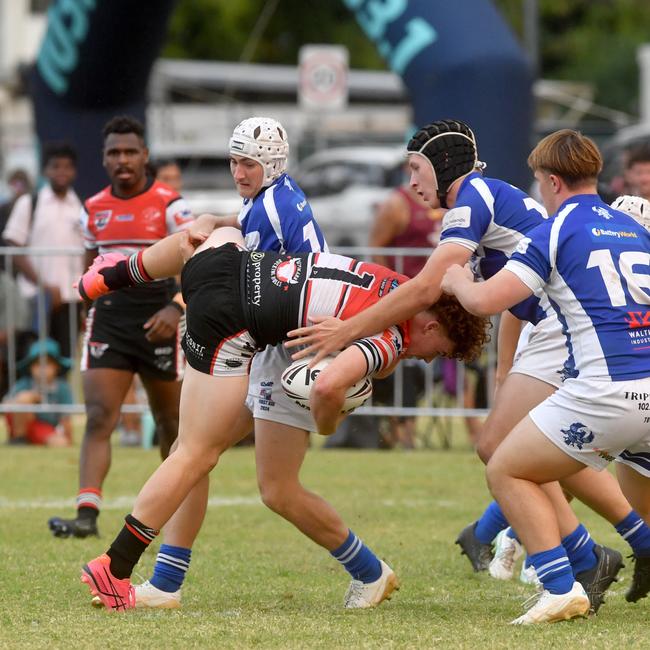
(497, 294)
(328, 393)
(421, 292)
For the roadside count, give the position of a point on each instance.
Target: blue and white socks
(636, 533)
(579, 548)
(172, 563)
(553, 570)
(357, 559)
(491, 523)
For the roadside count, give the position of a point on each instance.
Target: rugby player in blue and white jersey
(275, 216)
(593, 263)
(489, 217)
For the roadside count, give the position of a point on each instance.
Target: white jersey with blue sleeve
(593, 263)
(489, 218)
(280, 219)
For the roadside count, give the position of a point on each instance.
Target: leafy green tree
(223, 29)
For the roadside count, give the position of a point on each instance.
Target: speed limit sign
(323, 77)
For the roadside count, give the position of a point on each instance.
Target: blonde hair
(568, 154)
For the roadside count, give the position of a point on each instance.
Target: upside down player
(135, 329)
(226, 322)
(275, 216)
(489, 217)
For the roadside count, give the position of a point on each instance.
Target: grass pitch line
(118, 503)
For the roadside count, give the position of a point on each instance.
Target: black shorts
(217, 340)
(115, 337)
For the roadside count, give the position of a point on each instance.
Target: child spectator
(42, 385)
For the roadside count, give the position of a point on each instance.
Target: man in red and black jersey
(134, 330)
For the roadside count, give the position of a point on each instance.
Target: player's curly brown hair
(468, 333)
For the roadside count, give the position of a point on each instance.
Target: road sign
(323, 77)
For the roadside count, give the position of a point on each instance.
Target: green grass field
(255, 582)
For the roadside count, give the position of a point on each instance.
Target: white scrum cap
(264, 140)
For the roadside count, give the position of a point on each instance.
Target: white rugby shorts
(541, 351)
(598, 421)
(266, 399)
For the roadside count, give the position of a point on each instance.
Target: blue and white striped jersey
(280, 219)
(593, 263)
(489, 218)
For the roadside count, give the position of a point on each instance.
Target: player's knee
(495, 476)
(276, 496)
(100, 420)
(485, 447)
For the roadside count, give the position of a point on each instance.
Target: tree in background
(223, 30)
(580, 40)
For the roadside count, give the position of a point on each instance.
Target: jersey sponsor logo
(102, 218)
(162, 351)
(97, 349)
(234, 363)
(183, 217)
(255, 275)
(151, 214)
(637, 397)
(193, 346)
(237, 145)
(457, 218)
(394, 283)
(164, 191)
(302, 205)
(163, 364)
(124, 217)
(286, 272)
(603, 454)
(602, 212)
(598, 232)
(638, 319)
(577, 435)
(523, 244)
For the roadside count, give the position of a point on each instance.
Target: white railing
(436, 400)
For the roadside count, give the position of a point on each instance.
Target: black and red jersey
(282, 292)
(112, 223)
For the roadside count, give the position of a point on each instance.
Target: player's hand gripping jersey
(228, 321)
(489, 218)
(593, 262)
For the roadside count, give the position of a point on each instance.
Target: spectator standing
(50, 219)
(637, 171)
(13, 309)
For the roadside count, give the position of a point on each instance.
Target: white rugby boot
(546, 607)
(362, 595)
(506, 552)
(528, 576)
(149, 597)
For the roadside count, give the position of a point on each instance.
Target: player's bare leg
(637, 489)
(523, 462)
(280, 451)
(104, 392)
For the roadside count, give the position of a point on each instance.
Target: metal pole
(531, 32)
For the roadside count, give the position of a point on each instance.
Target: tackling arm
(398, 306)
(493, 296)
